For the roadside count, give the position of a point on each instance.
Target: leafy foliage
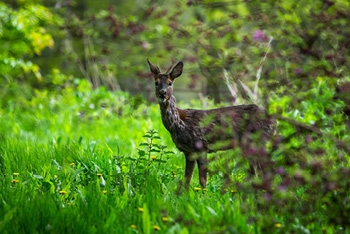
(23, 35)
(280, 46)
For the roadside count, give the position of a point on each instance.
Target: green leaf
(146, 220)
(184, 231)
(154, 150)
(141, 153)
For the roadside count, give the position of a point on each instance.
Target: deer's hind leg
(202, 162)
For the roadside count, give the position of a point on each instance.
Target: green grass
(88, 162)
(75, 187)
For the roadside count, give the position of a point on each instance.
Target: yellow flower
(174, 174)
(55, 176)
(141, 209)
(205, 189)
(72, 164)
(197, 189)
(165, 219)
(104, 191)
(278, 225)
(63, 192)
(133, 226)
(16, 174)
(156, 227)
(14, 181)
(153, 157)
(232, 190)
(99, 175)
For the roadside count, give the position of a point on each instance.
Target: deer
(199, 132)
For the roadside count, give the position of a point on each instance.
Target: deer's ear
(154, 69)
(177, 70)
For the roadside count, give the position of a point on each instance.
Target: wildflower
(104, 191)
(199, 144)
(278, 225)
(133, 226)
(72, 164)
(259, 35)
(298, 71)
(156, 227)
(63, 192)
(165, 219)
(145, 45)
(281, 171)
(153, 157)
(197, 189)
(141, 209)
(55, 176)
(99, 175)
(267, 197)
(14, 181)
(174, 174)
(16, 174)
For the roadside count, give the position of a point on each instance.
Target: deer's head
(164, 81)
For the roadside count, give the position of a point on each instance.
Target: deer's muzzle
(162, 94)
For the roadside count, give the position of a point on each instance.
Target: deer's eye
(156, 83)
(170, 83)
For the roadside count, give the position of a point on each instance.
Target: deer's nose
(162, 93)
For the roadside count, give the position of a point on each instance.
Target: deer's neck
(171, 115)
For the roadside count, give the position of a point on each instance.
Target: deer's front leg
(202, 162)
(190, 163)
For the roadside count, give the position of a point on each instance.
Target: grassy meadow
(92, 161)
(79, 162)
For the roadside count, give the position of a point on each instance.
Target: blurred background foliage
(286, 44)
(72, 67)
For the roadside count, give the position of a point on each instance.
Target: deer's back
(221, 128)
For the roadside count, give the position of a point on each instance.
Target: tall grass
(73, 187)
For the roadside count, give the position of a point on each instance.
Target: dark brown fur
(197, 132)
